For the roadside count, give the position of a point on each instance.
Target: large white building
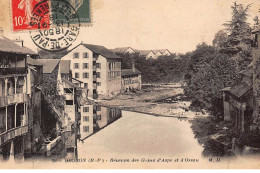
(97, 67)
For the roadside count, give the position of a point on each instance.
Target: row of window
(84, 66)
(76, 55)
(86, 118)
(113, 73)
(114, 65)
(86, 75)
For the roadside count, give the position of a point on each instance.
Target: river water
(138, 135)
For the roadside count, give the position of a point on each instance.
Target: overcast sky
(178, 25)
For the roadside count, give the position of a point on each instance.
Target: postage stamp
(62, 28)
(22, 13)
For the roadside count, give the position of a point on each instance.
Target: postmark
(62, 29)
(22, 13)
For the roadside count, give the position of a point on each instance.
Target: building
(157, 53)
(147, 54)
(97, 67)
(124, 50)
(19, 97)
(238, 102)
(131, 79)
(165, 52)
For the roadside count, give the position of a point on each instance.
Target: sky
(178, 25)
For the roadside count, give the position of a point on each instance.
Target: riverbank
(166, 100)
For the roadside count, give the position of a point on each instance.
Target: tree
(220, 39)
(238, 44)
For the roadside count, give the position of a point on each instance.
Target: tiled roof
(102, 51)
(129, 72)
(6, 45)
(240, 89)
(121, 49)
(48, 64)
(65, 66)
(144, 52)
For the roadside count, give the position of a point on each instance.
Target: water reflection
(93, 118)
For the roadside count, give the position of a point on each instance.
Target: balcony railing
(11, 99)
(12, 70)
(12, 133)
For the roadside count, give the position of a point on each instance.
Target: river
(138, 135)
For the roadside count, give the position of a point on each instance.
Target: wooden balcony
(12, 70)
(12, 99)
(12, 133)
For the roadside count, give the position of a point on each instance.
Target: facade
(131, 79)
(98, 68)
(147, 53)
(157, 53)
(18, 98)
(124, 50)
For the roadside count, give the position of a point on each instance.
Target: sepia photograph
(129, 84)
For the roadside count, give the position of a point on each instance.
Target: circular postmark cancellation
(58, 25)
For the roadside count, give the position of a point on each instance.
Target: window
(98, 108)
(85, 75)
(85, 85)
(86, 109)
(98, 117)
(85, 65)
(85, 55)
(98, 74)
(69, 102)
(76, 65)
(68, 90)
(98, 83)
(85, 118)
(85, 128)
(76, 75)
(76, 55)
(98, 65)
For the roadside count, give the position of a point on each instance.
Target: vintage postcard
(130, 84)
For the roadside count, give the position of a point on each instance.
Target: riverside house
(97, 67)
(131, 79)
(20, 100)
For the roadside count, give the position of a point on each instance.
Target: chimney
(133, 65)
(19, 42)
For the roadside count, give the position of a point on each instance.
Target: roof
(65, 66)
(156, 51)
(69, 83)
(144, 52)
(34, 62)
(129, 72)
(6, 45)
(48, 64)
(121, 49)
(240, 89)
(102, 51)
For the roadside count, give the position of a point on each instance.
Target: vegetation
(165, 69)
(213, 68)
